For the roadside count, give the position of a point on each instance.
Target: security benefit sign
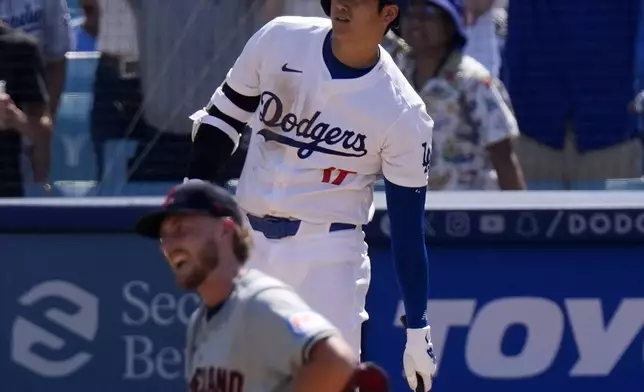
(143, 309)
(90, 312)
(518, 319)
(27, 335)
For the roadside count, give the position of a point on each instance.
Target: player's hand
(419, 361)
(9, 113)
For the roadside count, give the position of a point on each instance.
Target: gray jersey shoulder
(248, 286)
(260, 337)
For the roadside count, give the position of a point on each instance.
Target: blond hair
(242, 244)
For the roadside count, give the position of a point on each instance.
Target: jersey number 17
(335, 176)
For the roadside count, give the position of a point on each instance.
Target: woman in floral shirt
(474, 126)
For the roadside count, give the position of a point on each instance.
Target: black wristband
(211, 149)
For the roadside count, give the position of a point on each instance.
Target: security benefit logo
(153, 330)
(63, 319)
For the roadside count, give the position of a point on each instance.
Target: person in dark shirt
(569, 68)
(23, 110)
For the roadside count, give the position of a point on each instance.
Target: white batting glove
(419, 359)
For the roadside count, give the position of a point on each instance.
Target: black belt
(275, 228)
(127, 69)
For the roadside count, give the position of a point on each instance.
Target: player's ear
(390, 13)
(228, 227)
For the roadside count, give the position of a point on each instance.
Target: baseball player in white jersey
(330, 114)
(252, 332)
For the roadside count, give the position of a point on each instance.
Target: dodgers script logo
(320, 133)
(29, 340)
(28, 19)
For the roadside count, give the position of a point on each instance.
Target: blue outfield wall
(528, 293)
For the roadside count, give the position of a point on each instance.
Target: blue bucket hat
(455, 10)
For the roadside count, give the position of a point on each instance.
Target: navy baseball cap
(455, 10)
(191, 197)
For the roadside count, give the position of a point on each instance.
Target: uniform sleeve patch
(306, 323)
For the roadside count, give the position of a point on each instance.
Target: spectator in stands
(185, 52)
(23, 110)
(49, 22)
(570, 69)
(117, 84)
(86, 28)
(474, 126)
(483, 22)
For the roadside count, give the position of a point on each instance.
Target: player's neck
(213, 292)
(355, 56)
(217, 286)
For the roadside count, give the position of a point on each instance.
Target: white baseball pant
(329, 270)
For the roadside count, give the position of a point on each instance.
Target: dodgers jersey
(47, 20)
(257, 341)
(319, 144)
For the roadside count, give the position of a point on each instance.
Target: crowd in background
(542, 94)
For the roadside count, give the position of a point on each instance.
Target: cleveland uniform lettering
(210, 378)
(253, 341)
(252, 333)
(330, 114)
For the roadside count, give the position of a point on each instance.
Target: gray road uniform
(256, 342)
